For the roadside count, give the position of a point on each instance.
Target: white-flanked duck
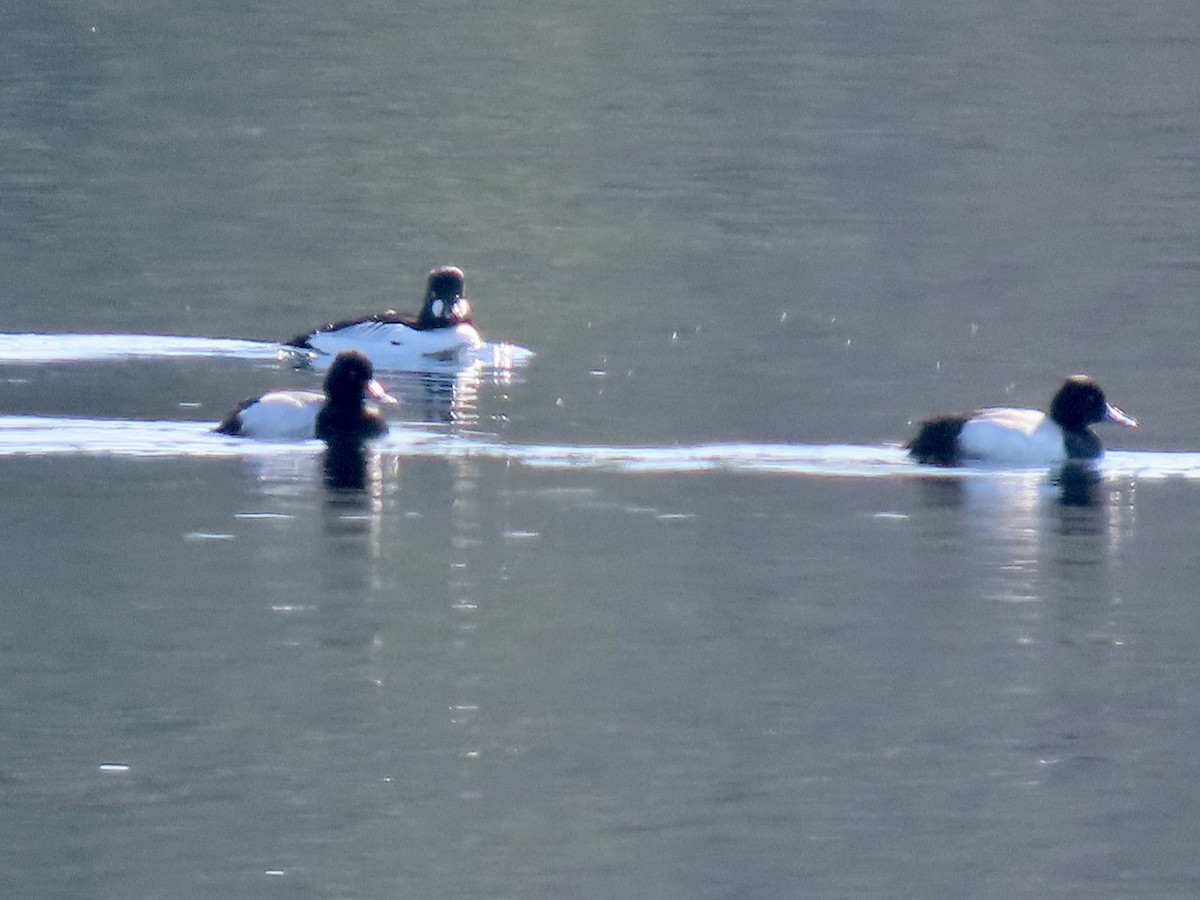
(1021, 437)
(338, 415)
(442, 332)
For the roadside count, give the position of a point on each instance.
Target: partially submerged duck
(1028, 437)
(441, 332)
(340, 414)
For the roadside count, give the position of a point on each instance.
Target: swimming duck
(442, 332)
(1021, 436)
(339, 414)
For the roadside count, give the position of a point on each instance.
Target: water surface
(664, 612)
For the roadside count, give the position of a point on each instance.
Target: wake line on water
(31, 349)
(51, 348)
(23, 436)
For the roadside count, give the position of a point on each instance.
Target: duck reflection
(1079, 485)
(1074, 503)
(1075, 484)
(447, 395)
(451, 399)
(353, 475)
(345, 465)
(1038, 556)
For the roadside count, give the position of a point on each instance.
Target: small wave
(48, 348)
(825, 460)
(796, 459)
(38, 435)
(61, 348)
(493, 356)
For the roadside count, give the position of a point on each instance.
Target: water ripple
(38, 435)
(29, 349)
(44, 348)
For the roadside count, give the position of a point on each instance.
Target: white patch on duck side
(391, 345)
(461, 308)
(437, 308)
(1013, 437)
(289, 415)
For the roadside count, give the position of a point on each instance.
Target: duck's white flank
(1014, 436)
(392, 345)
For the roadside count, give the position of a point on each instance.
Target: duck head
(1080, 403)
(445, 302)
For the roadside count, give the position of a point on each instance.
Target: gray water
(636, 619)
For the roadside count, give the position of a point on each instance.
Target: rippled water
(663, 610)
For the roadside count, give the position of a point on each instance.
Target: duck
(441, 332)
(1027, 437)
(337, 415)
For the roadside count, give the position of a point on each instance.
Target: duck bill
(1112, 414)
(378, 394)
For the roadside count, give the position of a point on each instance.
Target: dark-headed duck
(1023, 437)
(339, 414)
(442, 332)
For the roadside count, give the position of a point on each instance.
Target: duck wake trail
(45, 435)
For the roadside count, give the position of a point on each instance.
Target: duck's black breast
(336, 425)
(1081, 444)
(936, 442)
